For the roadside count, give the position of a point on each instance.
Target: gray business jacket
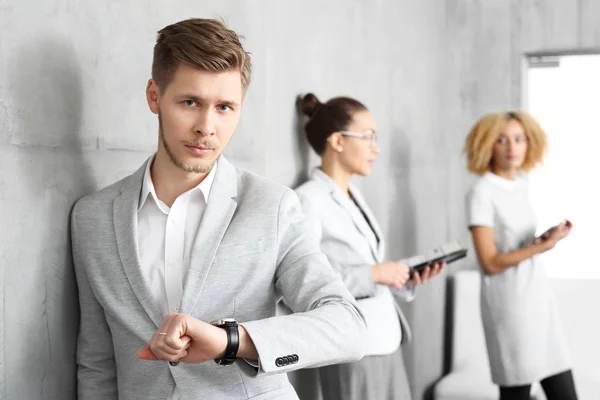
(252, 249)
(344, 236)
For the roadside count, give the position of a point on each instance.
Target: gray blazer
(344, 236)
(252, 249)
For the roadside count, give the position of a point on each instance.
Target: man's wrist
(221, 340)
(229, 328)
(247, 349)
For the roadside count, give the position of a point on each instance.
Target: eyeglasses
(370, 137)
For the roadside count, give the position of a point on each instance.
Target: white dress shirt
(165, 239)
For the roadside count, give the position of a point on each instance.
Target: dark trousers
(556, 387)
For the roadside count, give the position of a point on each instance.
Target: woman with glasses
(523, 334)
(344, 133)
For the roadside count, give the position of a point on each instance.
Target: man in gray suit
(183, 262)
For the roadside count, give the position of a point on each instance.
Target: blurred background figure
(524, 337)
(344, 133)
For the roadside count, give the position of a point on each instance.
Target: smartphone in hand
(544, 236)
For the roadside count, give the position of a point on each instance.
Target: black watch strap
(233, 340)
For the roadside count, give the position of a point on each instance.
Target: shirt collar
(503, 182)
(148, 186)
(320, 175)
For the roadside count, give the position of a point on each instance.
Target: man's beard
(187, 167)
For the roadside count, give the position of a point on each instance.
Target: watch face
(224, 321)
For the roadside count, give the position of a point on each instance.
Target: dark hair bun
(309, 104)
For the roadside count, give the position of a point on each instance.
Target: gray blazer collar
(217, 216)
(222, 203)
(346, 203)
(125, 220)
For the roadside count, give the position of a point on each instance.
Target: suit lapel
(219, 211)
(378, 247)
(348, 205)
(358, 219)
(126, 231)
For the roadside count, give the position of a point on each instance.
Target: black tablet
(447, 257)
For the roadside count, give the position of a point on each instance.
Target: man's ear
(152, 95)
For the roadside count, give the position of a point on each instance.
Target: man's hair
(205, 44)
(479, 145)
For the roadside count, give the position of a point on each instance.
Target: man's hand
(187, 339)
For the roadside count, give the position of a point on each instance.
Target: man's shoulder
(97, 201)
(250, 183)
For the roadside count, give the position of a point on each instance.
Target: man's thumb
(146, 354)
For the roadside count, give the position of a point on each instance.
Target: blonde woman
(524, 338)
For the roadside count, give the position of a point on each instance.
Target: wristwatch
(233, 340)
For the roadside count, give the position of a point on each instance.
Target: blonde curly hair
(479, 145)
